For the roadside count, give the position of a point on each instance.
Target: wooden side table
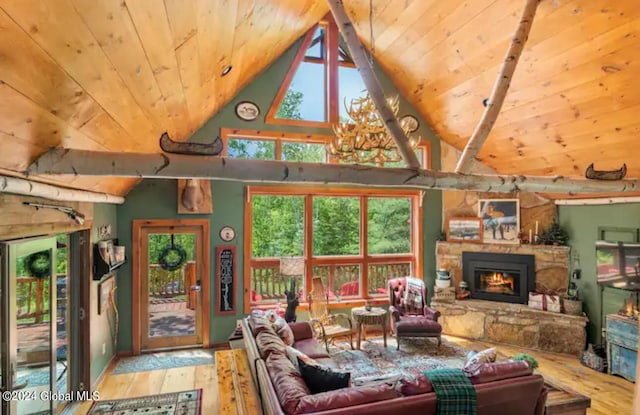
(375, 317)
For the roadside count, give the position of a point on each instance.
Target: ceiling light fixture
(226, 70)
(365, 139)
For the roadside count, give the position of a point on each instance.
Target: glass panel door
(170, 270)
(30, 365)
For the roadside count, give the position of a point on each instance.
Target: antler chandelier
(365, 139)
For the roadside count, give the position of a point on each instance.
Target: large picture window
(355, 240)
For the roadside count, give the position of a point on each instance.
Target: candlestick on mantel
(530, 240)
(536, 228)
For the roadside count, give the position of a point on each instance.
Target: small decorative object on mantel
(593, 174)
(191, 149)
(247, 111)
(464, 230)
(555, 235)
(545, 300)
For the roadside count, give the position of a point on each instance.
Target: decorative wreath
(172, 257)
(39, 264)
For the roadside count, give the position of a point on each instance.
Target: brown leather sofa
(503, 388)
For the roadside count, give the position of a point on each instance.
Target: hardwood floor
(609, 394)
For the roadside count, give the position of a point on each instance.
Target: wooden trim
(323, 191)
(202, 230)
(597, 201)
(332, 94)
(225, 133)
(135, 287)
(271, 114)
(246, 269)
(85, 261)
(364, 246)
(235, 279)
(308, 242)
(425, 146)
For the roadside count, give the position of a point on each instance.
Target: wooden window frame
(280, 137)
(364, 259)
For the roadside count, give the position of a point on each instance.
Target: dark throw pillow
(320, 379)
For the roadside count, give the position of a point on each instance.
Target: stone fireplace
(499, 277)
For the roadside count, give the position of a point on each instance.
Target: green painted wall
(582, 223)
(103, 214)
(156, 199)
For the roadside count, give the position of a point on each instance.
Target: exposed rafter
(30, 188)
(370, 80)
(177, 166)
(500, 88)
(597, 201)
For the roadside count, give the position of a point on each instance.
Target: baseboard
(107, 368)
(124, 353)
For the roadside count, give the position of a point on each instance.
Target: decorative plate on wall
(247, 111)
(410, 122)
(227, 233)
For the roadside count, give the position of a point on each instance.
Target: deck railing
(164, 283)
(31, 301)
(343, 277)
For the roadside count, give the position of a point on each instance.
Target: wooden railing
(163, 283)
(342, 276)
(31, 301)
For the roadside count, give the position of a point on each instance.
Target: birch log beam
(30, 188)
(176, 166)
(500, 88)
(359, 56)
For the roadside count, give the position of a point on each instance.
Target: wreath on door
(39, 264)
(172, 257)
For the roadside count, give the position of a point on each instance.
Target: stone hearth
(514, 324)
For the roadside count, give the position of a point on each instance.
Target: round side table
(375, 317)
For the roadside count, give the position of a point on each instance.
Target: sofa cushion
(293, 354)
(284, 331)
(312, 348)
(417, 324)
(259, 324)
(269, 342)
(320, 379)
(346, 397)
(474, 361)
(491, 372)
(287, 381)
(301, 330)
(414, 386)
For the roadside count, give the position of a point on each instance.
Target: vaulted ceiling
(114, 74)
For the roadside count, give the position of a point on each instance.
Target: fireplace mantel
(552, 262)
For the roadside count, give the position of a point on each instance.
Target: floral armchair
(410, 314)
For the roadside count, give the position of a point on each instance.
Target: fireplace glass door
(497, 282)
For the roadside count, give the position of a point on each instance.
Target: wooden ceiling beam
(500, 88)
(370, 80)
(30, 188)
(176, 166)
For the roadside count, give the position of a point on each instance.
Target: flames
(498, 281)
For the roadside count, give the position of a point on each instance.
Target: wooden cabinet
(622, 346)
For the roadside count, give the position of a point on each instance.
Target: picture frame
(410, 122)
(104, 291)
(501, 220)
(226, 280)
(247, 110)
(465, 229)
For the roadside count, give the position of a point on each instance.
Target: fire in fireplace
(499, 277)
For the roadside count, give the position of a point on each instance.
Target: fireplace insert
(499, 277)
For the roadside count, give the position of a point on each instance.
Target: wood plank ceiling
(115, 74)
(575, 94)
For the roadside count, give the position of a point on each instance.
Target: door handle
(195, 288)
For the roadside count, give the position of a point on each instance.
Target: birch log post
(176, 166)
(500, 88)
(25, 187)
(359, 56)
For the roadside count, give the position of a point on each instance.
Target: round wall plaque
(227, 233)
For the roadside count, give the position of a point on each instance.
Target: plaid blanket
(455, 393)
(413, 292)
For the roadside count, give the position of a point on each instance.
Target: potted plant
(555, 235)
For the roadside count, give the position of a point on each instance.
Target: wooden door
(171, 274)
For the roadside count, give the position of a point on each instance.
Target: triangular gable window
(310, 95)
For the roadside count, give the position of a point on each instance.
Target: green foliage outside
(159, 241)
(290, 106)
(336, 225)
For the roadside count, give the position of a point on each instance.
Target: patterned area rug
(415, 356)
(178, 403)
(164, 360)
